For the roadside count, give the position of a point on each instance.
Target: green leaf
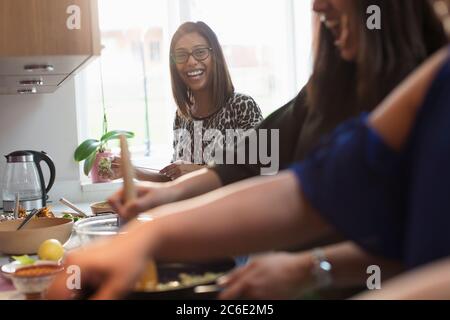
(24, 260)
(116, 134)
(86, 149)
(89, 163)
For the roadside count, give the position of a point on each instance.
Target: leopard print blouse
(196, 139)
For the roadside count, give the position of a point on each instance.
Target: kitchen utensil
(127, 170)
(28, 240)
(79, 212)
(23, 176)
(16, 206)
(27, 219)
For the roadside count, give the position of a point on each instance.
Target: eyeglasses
(199, 54)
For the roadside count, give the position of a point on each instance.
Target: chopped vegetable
(24, 260)
(70, 216)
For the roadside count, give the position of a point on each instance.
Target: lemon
(51, 250)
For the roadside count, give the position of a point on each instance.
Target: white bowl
(33, 284)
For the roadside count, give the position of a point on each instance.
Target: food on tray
(51, 250)
(185, 281)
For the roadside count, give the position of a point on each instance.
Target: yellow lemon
(51, 249)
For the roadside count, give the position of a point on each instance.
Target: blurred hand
(116, 168)
(277, 276)
(109, 268)
(149, 195)
(179, 168)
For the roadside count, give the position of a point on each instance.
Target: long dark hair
(222, 86)
(410, 33)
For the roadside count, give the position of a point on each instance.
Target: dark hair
(222, 86)
(410, 33)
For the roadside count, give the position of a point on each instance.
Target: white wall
(47, 123)
(42, 122)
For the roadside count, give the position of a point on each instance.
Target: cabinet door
(39, 27)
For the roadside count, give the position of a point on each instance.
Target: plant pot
(97, 174)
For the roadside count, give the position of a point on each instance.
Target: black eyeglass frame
(189, 54)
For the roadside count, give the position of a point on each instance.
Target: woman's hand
(109, 268)
(149, 196)
(271, 277)
(179, 168)
(116, 168)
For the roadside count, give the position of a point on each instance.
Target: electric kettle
(23, 178)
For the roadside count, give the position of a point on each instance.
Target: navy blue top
(393, 204)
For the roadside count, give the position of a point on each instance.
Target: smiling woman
(205, 98)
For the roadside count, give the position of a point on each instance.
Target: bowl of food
(34, 280)
(185, 281)
(28, 239)
(102, 208)
(175, 281)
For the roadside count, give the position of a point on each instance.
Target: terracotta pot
(96, 175)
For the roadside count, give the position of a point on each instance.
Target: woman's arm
(149, 175)
(254, 215)
(289, 275)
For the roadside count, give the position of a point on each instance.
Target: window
(266, 44)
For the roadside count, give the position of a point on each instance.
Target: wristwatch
(321, 269)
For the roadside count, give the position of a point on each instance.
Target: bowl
(101, 208)
(28, 239)
(93, 228)
(34, 280)
(8, 269)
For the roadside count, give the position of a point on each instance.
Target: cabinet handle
(39, 67)
(27, 91)
(39, 82)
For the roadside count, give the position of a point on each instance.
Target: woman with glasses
(207, 105)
